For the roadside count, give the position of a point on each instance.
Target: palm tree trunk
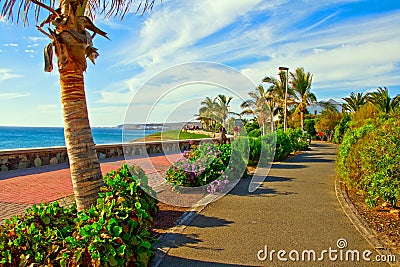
(272, 123)
(302, 120)
(84, 164)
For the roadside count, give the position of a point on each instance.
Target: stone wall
(36, 157)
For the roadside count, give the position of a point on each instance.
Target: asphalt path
(295, 211)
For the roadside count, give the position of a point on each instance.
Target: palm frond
(24, 10)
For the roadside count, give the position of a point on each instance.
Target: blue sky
(347, 45)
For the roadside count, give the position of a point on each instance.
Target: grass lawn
(173, 135)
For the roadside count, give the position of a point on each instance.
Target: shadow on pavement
(177, 261)
(202, 221)
(308, 160)
(320, 144)
(242, 188)
(288, 166)
(272, 179)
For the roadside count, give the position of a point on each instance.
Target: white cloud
(11, 44)
(181, 25)
(50, 108)
(7, 96)
(29, 51)
(6, 74)
(36, 39)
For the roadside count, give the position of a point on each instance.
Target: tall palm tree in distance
(263, 105)
(277, 90)
(207, 112)
(222, 107)
(301, 83)
(354, 101)
(71, 32)
(382, 101)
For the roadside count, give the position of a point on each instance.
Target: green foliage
(348, 160)
(283, 146)
(208, 162)
(255, 150)
(327, 122)
(250, 126)
(309, 127)
(341, 129)
(199, 166)
(298, 139)
(369, 160)
(254, 133)
(114, 232)
(276, 146)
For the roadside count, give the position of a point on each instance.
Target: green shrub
(254, 133)
(309, 127)
(341, 128)
(283, 146)
(208, 162)
(199, 166)
(255, 150)
(348, 159)
(369, 160)
(114, 232)
(380, 172)
(298, 139)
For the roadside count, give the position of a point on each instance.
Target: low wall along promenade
(35, 157)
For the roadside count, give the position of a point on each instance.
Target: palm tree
(354, 101)
(222, 107)
(69, 26)
(301, 82)
(263, 105)
(207, 112)
(382, 101)
(277, 88)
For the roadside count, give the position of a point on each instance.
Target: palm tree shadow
(202, 221)
(242, 188)
(176, 240)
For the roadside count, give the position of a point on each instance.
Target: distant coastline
(20, 137)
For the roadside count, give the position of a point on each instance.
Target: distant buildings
(317, 108)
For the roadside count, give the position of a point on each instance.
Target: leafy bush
(254, 133)
(298, 139)
(114, 232)
(341, 129)
(309, 126)
(348, 159)
(208, 162)
(200, 166)
(279, 144)
(369, 160)
(255, 150)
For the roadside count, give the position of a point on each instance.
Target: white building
(317, 108)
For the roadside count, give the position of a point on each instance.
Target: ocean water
(32, 137)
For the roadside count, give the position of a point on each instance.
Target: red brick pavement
(33, 188)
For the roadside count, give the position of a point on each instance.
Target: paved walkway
(20, 189)
(295, 209)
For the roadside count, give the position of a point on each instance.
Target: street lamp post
(286, 89)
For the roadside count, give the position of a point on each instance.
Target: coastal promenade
(19, 189)
(293, 214)
(295, 210)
